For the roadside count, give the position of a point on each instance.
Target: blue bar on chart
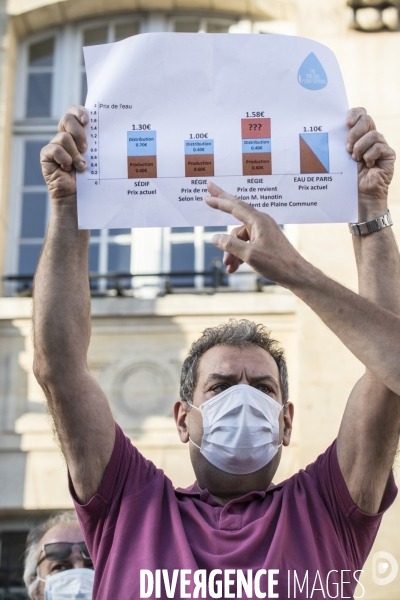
(142, 154)
(199, 158)
(255, 145)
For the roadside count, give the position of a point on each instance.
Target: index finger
(229, 204)
(80, 113)
(73, 123)
(361, 127)
(353, 115)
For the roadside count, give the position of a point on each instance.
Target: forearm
(369, 431)
(371, 333)
(378, 267)
(61, 297)
(80, 411)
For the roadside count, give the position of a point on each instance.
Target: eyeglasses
(62, 551)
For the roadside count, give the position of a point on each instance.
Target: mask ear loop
(190, 439)
(193, 406)
(38, 576)
(34, 584)
(194, 443)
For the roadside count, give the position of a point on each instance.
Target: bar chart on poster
(278, 145)
(142, 154)
(256, 146)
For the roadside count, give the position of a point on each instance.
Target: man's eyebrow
(231, 377)
(218, 377)
(264, 378)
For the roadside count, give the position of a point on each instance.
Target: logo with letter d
(380, 566)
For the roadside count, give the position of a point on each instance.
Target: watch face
(387, 219)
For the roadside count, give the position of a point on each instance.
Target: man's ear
(180, 414)
(35, 594)
(288, 414)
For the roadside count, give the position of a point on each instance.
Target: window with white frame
(191, 250)
(51, 76)
(12, 548)
(40, 69)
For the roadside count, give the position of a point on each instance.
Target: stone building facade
(141, 334)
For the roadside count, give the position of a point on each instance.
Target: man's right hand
(62, 157)
(259, 241)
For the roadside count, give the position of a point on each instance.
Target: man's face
(220, 368)
(64, 532)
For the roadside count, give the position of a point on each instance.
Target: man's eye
(265, 389)
(57, 568)
(220, 387)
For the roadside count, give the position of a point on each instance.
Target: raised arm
(370, 428)
(61, 318)
(370, 332)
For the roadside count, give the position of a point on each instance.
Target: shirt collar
(205, 496)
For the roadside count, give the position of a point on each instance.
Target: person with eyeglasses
(57, 562)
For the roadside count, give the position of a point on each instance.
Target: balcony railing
(14, 594)
(122, 284)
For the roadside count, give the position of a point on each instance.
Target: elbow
(42, 378)
(45, 372)
(40, 372)
(57, 373)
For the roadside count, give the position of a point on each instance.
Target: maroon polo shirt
(307, 529)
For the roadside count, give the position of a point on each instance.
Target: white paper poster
(260, 115)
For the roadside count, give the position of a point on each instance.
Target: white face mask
(72, 584)
(241, 430)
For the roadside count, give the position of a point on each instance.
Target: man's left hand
(375, 161)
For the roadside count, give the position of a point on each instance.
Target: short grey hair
(239, 334)
(32, 542)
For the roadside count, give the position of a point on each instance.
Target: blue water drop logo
(311, 74)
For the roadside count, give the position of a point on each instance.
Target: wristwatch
(371, 226)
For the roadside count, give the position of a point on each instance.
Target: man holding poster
(232, 534)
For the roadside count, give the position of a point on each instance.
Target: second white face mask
(70, 585)
(241, 430)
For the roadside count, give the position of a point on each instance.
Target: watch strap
(371, 226)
